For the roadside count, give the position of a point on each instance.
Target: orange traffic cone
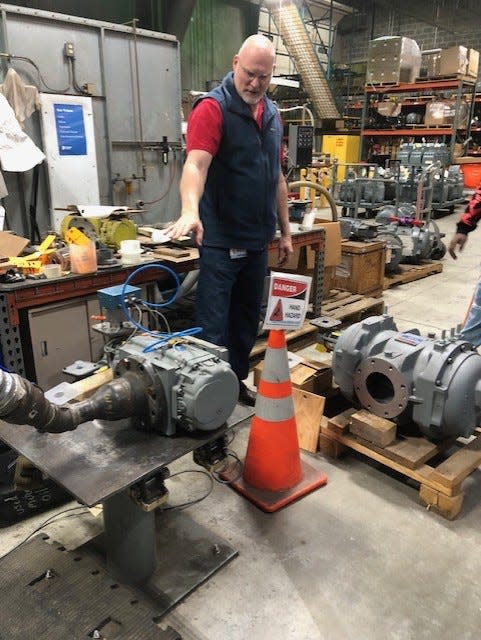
(274, 474)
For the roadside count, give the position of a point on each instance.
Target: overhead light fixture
(278, 3)
(279, 81)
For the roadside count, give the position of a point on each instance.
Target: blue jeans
(229, 299)
(471, 330)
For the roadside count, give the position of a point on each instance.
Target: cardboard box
(443, 112)
(332, 249)
(453, 61)
(473, 63)
(11, 245)
(303, 258)
(314, 377)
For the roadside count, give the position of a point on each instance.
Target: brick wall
(352, 40)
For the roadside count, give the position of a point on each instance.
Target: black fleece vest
(239, 206)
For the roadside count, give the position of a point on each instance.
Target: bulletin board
(69, 145)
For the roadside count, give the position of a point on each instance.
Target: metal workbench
(17, 299)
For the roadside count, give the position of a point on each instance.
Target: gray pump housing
(404, 377)
(189, 382)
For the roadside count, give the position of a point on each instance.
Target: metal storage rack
(461, 85)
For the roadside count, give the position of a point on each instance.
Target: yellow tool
(23, 263)
(75, 236)
(46, 243)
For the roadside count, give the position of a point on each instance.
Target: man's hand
(458, 240)
(187, 222)
(285, 249)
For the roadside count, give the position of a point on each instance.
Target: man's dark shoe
(246, 396)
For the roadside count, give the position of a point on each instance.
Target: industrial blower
(404, 377)
(181, 384)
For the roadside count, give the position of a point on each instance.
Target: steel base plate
(79, 597)
(188, 554)
(76, 599)
(100, 458)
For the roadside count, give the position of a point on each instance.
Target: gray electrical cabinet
(300, 143)
(61, 334)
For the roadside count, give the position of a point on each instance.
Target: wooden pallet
(410, 272)
(427, 126)
(350, 307)
(370, 85)
(440, 484)
(453, 76)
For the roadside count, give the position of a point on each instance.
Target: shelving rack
(462, 85)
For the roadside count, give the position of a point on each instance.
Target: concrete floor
(358, 559)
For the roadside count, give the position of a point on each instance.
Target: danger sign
(288, 300)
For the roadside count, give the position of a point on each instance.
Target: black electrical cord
(40, 77)
(185, 505)
(52, 519)
(76, 85)
(237, 464)
(72, 78)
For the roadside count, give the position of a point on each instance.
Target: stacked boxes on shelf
(459, 60)
(393, 59)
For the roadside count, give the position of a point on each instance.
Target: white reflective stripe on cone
(276, 366)
(274, 409)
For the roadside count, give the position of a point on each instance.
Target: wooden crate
(328, 281)
(440, 484)
(362, 267)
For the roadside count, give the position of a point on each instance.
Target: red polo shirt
(204, 128)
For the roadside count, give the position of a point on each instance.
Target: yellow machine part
(110, 231)
(90, 227)
(344, 148)
(322, 176)
(75, 236)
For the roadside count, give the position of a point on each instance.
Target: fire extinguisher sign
(288, 301)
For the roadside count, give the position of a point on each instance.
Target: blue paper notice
(69, 119)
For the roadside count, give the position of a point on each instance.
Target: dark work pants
(229, 299)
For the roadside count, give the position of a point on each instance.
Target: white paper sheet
(17, 150)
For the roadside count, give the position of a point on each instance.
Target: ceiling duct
(299, 46)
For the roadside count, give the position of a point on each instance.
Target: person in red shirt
(471, 330)
(233, 192)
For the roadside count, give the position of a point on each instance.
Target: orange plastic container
(83, 258)
(472, 175)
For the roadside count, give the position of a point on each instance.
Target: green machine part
(113, 231)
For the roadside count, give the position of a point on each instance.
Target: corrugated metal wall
(216, 30)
